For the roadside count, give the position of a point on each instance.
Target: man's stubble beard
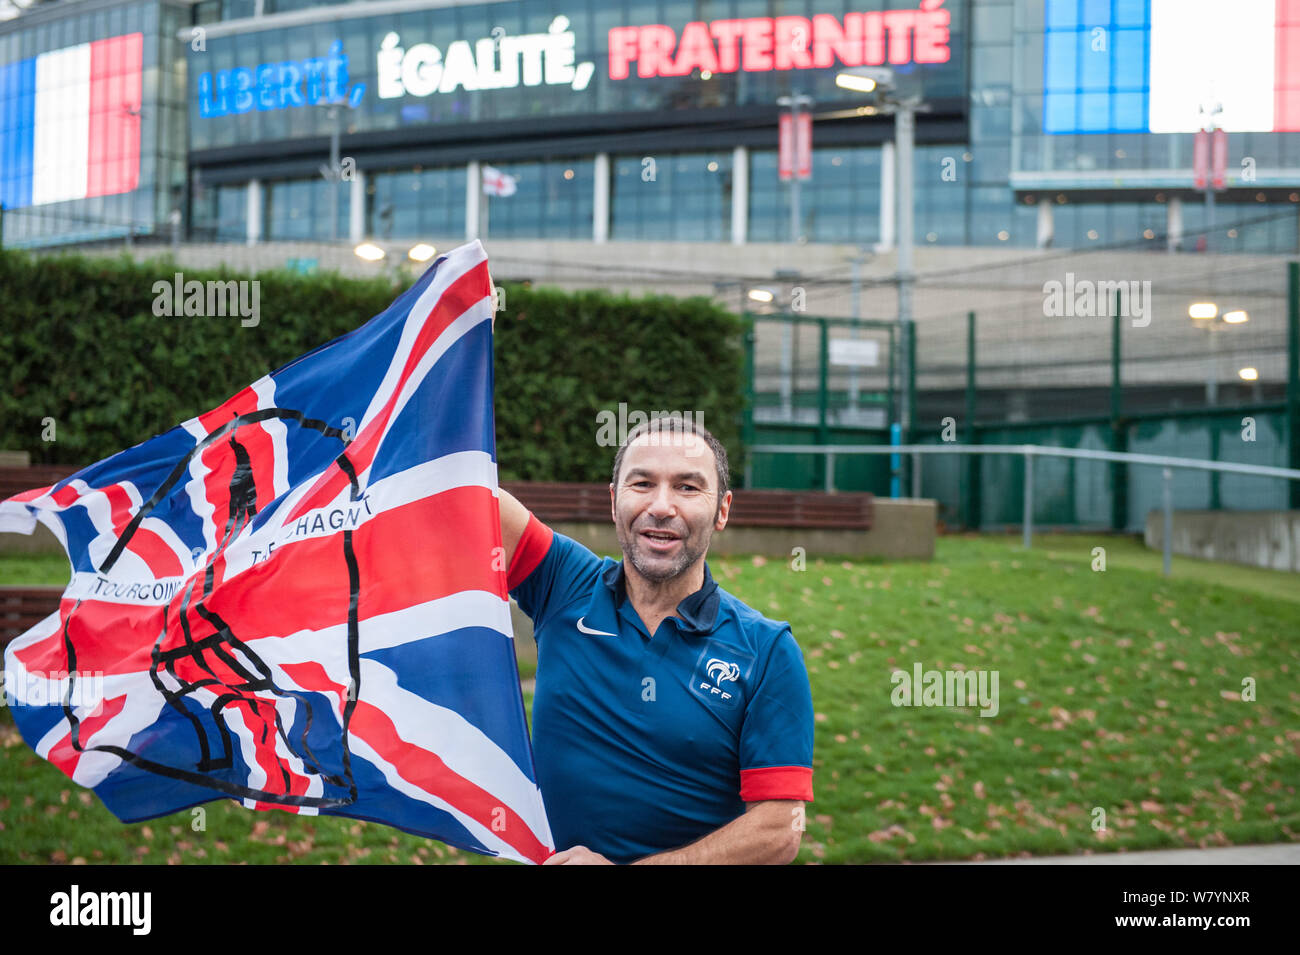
(630, 542)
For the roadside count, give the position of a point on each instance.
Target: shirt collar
(697, 613)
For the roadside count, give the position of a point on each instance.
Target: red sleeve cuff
(532, 547)
(776, 782)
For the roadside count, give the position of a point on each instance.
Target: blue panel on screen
(1132, 13)
(1129, 59)
(1094, 112)
(1094, 64)
(1061, 61)
(1062, 14)
(1096, 13)
(1058, 112)
(1130, 112)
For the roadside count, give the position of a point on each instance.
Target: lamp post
(796, 103)
(1206, 315)
(880, 80)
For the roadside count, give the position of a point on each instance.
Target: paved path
(1285, 854)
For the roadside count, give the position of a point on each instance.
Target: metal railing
(1029, 452)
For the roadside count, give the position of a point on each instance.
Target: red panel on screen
(1286, 67)
(115, 94)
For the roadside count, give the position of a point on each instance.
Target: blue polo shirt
(646, 742)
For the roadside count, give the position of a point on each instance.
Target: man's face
(665, 505)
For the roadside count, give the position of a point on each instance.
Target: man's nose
(662, 505)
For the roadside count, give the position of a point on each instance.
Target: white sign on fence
(857, 352)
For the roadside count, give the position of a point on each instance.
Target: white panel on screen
(62, 125)
(1206, 51)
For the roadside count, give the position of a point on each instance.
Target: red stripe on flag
(108, 638)
(31, 495)
(66, 496)
(430, 548)
(115, 98)
(62, 753)
(145, 544)
(425, 769)
(422, 767)
(460, 295)
(302, 586)
(408, 555)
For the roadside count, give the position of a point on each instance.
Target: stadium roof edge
(323, 14)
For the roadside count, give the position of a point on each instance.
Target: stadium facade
(1068, 123)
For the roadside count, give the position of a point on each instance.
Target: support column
(1046, 223)
(254, 212)
(357, 207)
(600, 199)
(888, 198)
(739, 195)
(473, 198)
(1174, 226)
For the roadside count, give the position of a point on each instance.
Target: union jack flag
(298, 599)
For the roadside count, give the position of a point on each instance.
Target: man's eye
(689, 487)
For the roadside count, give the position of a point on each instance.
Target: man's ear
(724, 510)
(613, 511)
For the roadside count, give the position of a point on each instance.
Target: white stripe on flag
(62, 125)
(264, 388)
(457, 263)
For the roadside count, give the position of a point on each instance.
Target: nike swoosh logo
(602, 633)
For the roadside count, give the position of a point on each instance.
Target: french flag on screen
(1136, 66)
(70, 123)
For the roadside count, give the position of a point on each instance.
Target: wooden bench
(562, 501)
(16, 480)
(21, 608)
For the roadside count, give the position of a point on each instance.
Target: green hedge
(82, 345)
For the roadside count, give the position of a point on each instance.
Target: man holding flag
(671, 722)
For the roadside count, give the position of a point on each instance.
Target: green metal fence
(1113, 384)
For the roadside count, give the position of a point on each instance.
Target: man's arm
(768, 833)
(514, 518)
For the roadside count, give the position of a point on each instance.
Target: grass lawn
(1119, 691)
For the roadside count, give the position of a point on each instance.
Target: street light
(849, 80)
(882, 81)
(421, 252)
(1206, 315)
(369, 251)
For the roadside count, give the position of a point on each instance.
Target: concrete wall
(1269, 539)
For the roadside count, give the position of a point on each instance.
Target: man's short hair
(676, 424)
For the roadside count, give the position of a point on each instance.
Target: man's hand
(578, 855)
(768, 833)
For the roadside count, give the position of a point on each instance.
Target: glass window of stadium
(840, 203)
(300, 209)
(673, 196)
(552, 200)
(220, 214)
(416, 203)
